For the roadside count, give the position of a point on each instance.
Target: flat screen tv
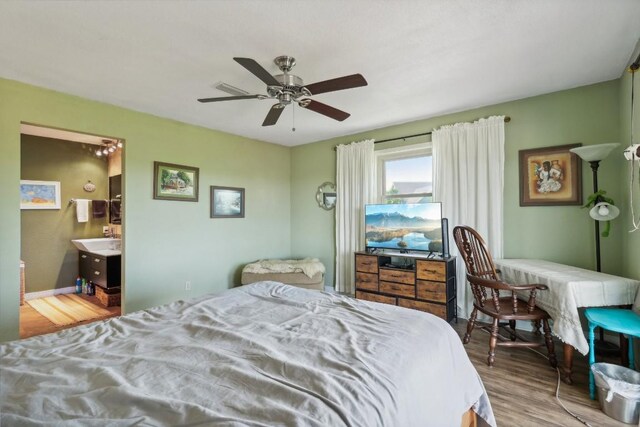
(404, 227)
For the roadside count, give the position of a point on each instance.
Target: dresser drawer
(431, 270)
(436, 309)
(432, 291)
(367, 281)
(406, 277)
(367, 263)
(398, 289)
(375, 298)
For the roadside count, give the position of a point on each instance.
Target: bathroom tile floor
(33, 323)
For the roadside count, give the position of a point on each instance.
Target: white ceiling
(421, 58)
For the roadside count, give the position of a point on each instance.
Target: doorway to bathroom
(71, 206)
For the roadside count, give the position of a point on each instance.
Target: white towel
(82, 210)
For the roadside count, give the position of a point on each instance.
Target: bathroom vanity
(102, 270)
(100, 263)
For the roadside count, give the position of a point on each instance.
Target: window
(405, 174)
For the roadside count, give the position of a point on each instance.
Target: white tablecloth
(569, 288)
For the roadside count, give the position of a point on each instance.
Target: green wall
(165, 243)
(51, 259)
(564, 234)
(630, 241)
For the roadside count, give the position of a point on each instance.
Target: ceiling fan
(288, 88)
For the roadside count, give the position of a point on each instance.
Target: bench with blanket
(305, 273)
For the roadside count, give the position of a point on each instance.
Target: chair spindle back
(478, 262)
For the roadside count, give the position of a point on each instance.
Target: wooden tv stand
(408, 280)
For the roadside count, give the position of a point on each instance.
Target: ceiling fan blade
(228, 98)
(273, 115)
(340, 83)
(257, 70)
(324, 109)
(231, 90)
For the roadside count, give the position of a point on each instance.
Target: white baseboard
(49, 293)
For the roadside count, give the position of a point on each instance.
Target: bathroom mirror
(115, 199)
(326, 196)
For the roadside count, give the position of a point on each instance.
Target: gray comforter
(261, 355)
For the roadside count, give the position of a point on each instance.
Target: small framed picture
(175, 182)
(227, 202)
(39, 194)
(550, 176)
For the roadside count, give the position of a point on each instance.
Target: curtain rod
(507, 119)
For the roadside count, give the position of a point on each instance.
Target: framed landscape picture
(39, 194)
(550, 176)
(175, 182)
(227, 202)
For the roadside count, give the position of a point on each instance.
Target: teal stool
(613, 319)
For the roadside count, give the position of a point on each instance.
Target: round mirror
(326, 196)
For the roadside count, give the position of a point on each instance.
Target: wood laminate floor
(33, 323)
(521, 385)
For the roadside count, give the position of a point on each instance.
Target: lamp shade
(594, 153)
(604, 211)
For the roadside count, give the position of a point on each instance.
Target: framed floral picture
(227, 202)
(175, 182)
(550, 176)
(39, 194)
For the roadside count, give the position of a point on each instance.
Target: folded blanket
(308, 266)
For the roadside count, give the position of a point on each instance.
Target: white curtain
(355, 187)
(468, 173)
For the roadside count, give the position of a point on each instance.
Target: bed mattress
(265, 354)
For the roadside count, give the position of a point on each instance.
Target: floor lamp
(594, 154)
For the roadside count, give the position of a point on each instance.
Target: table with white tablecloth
(569, 288)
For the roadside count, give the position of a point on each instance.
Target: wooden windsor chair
(487, 287)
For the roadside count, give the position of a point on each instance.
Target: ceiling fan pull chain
(293, 112)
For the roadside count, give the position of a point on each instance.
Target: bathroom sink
(101, 246)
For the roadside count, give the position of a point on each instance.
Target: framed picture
(175, 182)
(550, 176)
(39, 194)
(227, 202)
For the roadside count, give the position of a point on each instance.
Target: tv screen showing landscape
(404, 227)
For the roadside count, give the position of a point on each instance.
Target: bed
(265, 354)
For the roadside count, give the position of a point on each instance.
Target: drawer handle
(97, 273)
(432, 271)
(96, 259)
(83, 256)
